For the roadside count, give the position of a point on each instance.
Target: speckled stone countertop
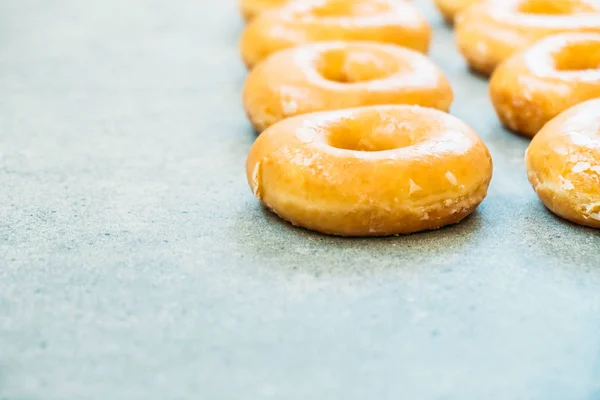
(135, 263)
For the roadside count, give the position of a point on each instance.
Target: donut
(563, 164)
(307, 21)
(449, 8)
(370, 171)
(334, 75)
(251, 8)
(491, 31)
(534, 86)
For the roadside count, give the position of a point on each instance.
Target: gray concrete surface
(135, 264)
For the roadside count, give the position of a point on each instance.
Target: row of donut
(527, 89)
(544, 60)
(331, 172)
(368, 171)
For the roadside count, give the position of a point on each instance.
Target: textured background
(135, 264)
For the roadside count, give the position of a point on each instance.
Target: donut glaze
(491, 31)
(449, 8)
(563, 164)
(370, 171)
(307, 21)
(534, 86)
(334, 75)
(251, 8)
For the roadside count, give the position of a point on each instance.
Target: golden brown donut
(449, 8)
(307, 21)
(563, 164)
(534, 86)
(490, 32)
(334, 75)
(370, 171)
(251, 8)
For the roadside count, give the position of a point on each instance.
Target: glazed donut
(370, 171)
(490, 32)
(563, 164)
(251, 8)
(334, 75)
(534, 86)
(449, 8)
(300, 22)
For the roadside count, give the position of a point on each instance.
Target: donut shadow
(470, 222)
(566, 243)
(570, 224)
(505, 139)
(240, 78)
(515, 133)
(480, 75)
(252, 132)
(248, 129)
(279, 238)
(525, 138)
(240, 26)
(273, 243)
(448, 23)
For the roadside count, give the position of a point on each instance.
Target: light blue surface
(135, 264)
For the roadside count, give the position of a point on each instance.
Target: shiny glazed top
(534, 86)
(334, 75)
(373, 154)
(493, 30)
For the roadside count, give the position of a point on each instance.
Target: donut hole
(545, 7)
(356, 65)
(580, 56)
(373, 132)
